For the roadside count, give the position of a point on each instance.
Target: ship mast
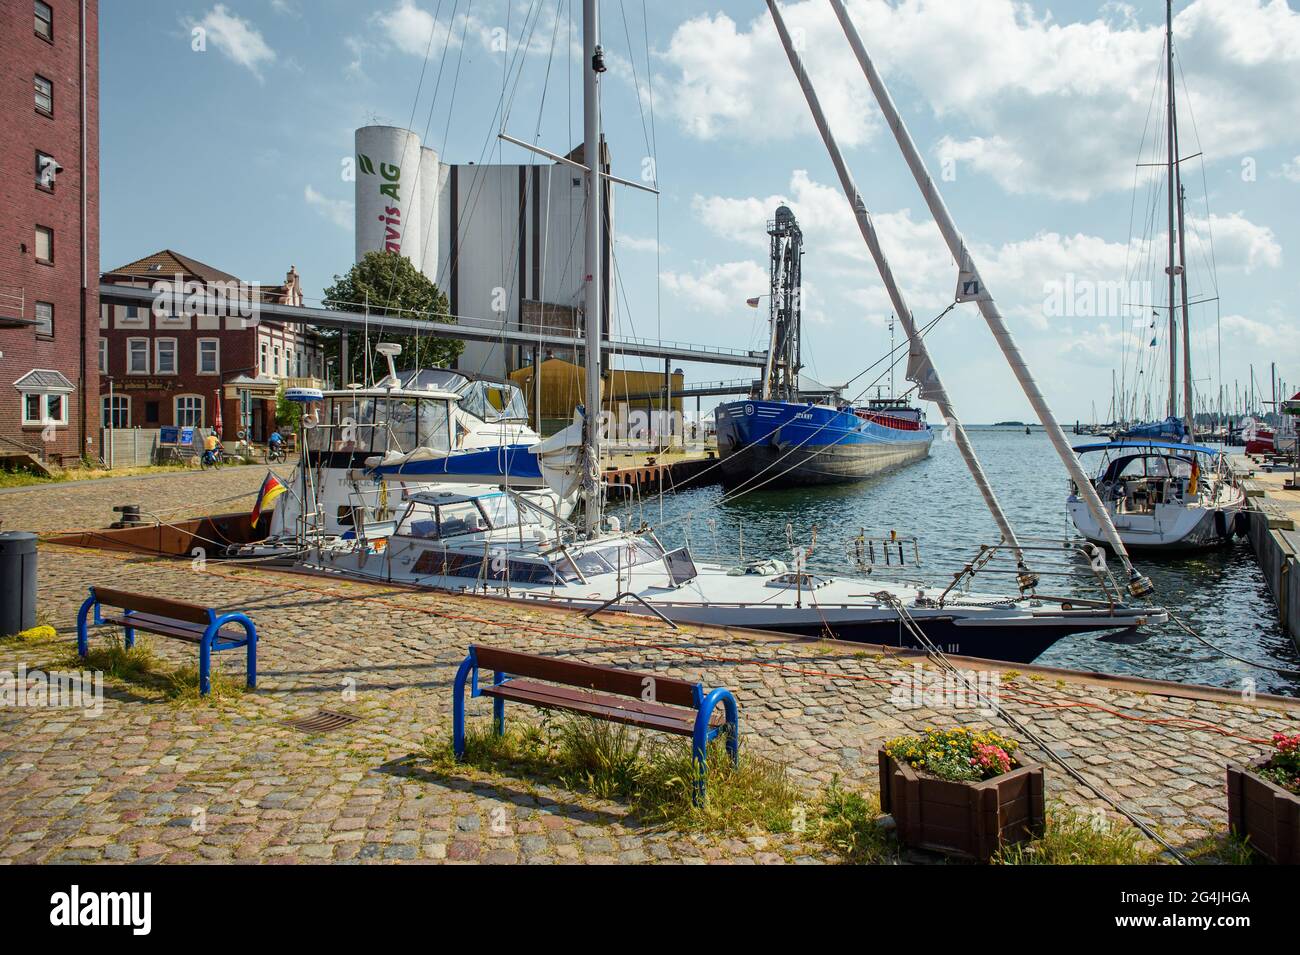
(970, 280)
(1170, 269)
(919, 367)
(593, 66)
(1176, 188)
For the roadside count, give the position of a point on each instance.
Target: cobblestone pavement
(150, 780)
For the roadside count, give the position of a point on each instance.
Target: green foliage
(849, 825)
(653, 774)
(288, 413)
(1073, 838)
(111, 656)
(391, 285)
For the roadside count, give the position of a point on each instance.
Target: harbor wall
(1275, 550)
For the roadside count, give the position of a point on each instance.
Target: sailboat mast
(1182, 249)
(1172, 189)
(1138, 584)
(593, 66)
(919, 367)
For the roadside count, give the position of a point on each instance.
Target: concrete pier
(1274, 513)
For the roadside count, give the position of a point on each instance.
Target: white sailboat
(499, 540)
(1165, 494)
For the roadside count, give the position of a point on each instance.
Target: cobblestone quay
(151, 780)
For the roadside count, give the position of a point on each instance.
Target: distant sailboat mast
(593, 66)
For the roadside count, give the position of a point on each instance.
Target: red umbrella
(216, 415)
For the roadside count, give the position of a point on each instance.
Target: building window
(276, 367)
(44, 408)
(137, 356)
(45, 167)
(151, 412)
(44, 96)
(44, 245)
(44, 21)
(103, 356)
(115, 411)
(45, 319)
(262, 358)
(209, 356)
(189, 411)
(164, 356)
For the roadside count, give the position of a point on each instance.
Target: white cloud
(1039, 106)
(338, 211)
(407, 27)
(718, 288)
(236, 38)
(639, 243)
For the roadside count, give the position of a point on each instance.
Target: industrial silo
(388, 192)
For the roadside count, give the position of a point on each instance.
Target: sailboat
(500, 541)
(1161, 490)
(793, 432)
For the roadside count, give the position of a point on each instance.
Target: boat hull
(780, 444)
(1168, 528)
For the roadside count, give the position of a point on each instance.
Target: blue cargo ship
(792, 444)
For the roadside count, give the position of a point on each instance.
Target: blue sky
(1036, 111)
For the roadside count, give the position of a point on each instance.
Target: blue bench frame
(704, 702)
(211, 639)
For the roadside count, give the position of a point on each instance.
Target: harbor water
(1220, 593)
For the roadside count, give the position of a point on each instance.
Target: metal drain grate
(323, 721)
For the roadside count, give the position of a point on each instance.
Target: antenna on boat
(390, 350)
(971, 287)
(919, 367)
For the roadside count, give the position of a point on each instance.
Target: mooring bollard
(17, 582)
(130, 515)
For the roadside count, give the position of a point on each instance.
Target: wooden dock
(647, 473)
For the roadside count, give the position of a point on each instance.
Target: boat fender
(1241, 523)
(1221, 524)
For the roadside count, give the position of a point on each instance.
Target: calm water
(1221, 593)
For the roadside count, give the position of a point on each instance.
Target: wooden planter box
(1265, 813)
(967, 819)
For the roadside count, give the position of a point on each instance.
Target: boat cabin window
(494, 401)
(374, 425)
(1156, 467)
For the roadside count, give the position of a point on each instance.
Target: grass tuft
(182, 687)
(849, 825)
(653, 775)
(1073, 838)
(134, 664)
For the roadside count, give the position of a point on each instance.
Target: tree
(287, 413)
(389, 284)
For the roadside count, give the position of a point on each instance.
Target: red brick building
(191, 365)
(49, 230)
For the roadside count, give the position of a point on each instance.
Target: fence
(129, 447)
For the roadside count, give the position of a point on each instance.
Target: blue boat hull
(783, 444)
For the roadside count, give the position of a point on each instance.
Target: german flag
(272, 488)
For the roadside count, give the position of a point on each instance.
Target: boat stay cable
(971, 282)
(920, 367)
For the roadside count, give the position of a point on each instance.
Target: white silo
(388, 208)
(430, 184)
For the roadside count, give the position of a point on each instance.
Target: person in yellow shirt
(211, 442)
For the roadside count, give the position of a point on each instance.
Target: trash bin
(17, 582)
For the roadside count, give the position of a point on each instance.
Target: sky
(227, 133)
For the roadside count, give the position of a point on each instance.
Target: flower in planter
(957, 754)
(1284, 768)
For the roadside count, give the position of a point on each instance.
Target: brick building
(49, 230)
(183, 363)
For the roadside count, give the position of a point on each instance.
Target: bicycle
(212, 459)
(275, 453)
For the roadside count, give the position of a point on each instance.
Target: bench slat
(150, 623)
(158, 606)
(608, 708)
(588, 675)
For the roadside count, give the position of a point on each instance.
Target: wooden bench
(646, 700)
(193, 623)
